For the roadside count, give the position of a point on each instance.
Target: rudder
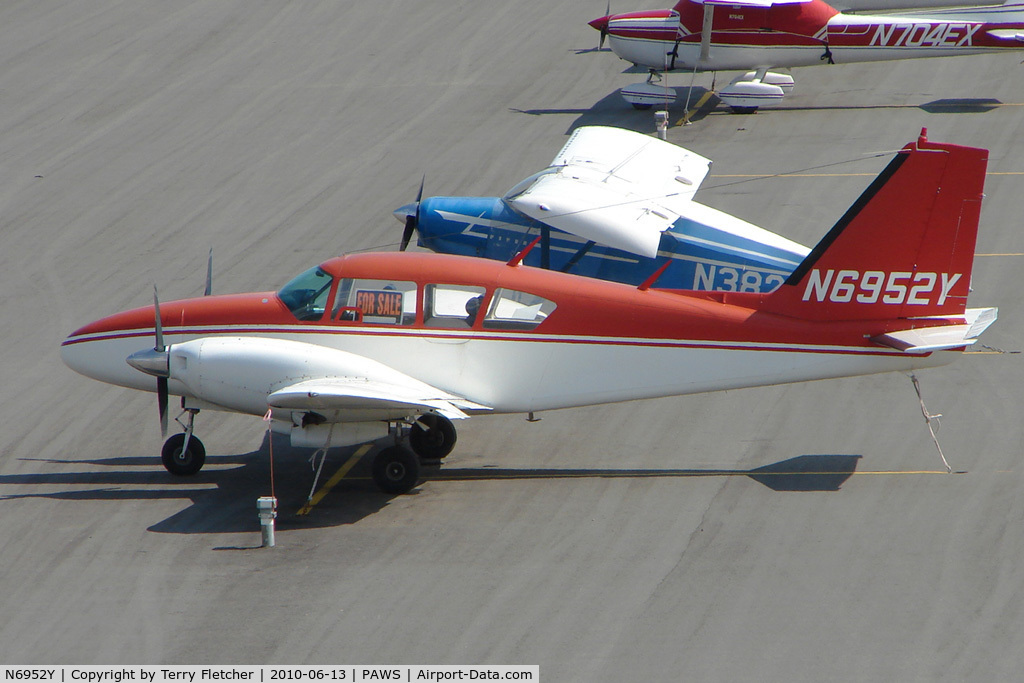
(904, 249)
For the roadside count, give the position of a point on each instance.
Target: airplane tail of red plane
(903, 250)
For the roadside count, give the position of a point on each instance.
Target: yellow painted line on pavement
(695, 108)
(334, 480)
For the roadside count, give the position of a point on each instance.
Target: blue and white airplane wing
(616, 205)
(616, 187)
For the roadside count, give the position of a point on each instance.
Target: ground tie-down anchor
(928, 417)
(266, 507)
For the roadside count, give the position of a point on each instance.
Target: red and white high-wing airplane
(371, 344)
(758, 35)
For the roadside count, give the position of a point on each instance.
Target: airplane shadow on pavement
(223, 495)
(802, 473)
(612, 110)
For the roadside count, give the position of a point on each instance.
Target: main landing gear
(396, 469)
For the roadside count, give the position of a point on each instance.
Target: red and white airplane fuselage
(352, 349)
(603, 343)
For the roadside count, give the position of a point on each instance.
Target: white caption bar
(268, 674)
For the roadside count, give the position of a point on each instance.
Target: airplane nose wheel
(396, 470)
(432, 437)
(183, 462)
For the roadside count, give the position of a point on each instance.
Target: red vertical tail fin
(903, 250)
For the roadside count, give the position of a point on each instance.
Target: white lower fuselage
(724, 57)
(520, 372)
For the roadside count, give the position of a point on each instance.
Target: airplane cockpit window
(512, 310)
(306, 295)
(391, 302)
(451, 306)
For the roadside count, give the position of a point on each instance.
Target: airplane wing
(925, 340)
(355, 393)
(613, 186)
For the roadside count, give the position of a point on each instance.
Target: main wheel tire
(641, 107)
(183, 464)
(432, 437)
(744, 110)
(396, 470)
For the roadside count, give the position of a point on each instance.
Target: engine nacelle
(239, 373)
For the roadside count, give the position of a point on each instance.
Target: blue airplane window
(306, 295)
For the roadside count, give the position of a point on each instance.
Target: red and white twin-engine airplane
(368, 345)
(758, 35)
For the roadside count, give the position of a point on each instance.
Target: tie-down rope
(928, 417)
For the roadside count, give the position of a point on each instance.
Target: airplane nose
(74, 357)
(601, 24)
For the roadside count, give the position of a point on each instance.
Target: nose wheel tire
(179, 463)
(396, 470)
(432, 437)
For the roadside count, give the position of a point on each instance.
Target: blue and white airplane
(615, 205)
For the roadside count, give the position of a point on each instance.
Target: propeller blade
(209, 275)
(604, 29)
(161, 399)
(410, 228)
(412, 219)
(159, 323)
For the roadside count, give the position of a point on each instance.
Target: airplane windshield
(306, 295)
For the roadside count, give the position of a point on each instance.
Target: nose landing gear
(183, 455)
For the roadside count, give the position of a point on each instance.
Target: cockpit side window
(451, 306)
(513, 310)
(306, 295)
(390, 302)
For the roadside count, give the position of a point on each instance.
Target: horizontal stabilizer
(928, 339)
